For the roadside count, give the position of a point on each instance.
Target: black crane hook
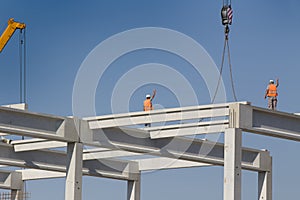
(226, 15)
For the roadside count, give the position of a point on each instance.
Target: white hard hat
(148, 96)
(271, 81)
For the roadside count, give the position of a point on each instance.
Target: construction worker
(271, 93)
(148, 103)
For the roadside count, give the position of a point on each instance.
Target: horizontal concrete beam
(166, 163)
(36, 174)
(20, 122)
(265, 122)
(163, 115)
(35, 144)
(144, 165)
(108, 154)
(139, 141)
(56, 161)
(20, 106)
(214, 126)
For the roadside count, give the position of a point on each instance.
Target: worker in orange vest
(148, 103)
(272, 94)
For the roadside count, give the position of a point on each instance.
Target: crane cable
(22, 58)
(230, 72)
(220, 74)
(225, 2)
(226, 44)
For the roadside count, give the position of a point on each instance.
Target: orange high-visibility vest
(147, 105)
(272, 91)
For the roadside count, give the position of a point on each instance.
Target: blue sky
(264, 42)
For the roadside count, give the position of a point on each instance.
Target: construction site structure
(98, 145)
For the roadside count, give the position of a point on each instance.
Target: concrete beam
(265, 122)
(139, 141)
(108, 154)
(56, 161)
(20, 122)
(163, 115)
(20, 106)
(166, 163)
(36, 174)
(214, 126)
(128, 170)
(144, 164)
(35, 144)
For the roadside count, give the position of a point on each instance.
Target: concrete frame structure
(102, 146)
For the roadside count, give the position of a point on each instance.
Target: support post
(265, 184)
(17, 186)
(134, 189)
(232, 164)
(17, 194)
(73, 188)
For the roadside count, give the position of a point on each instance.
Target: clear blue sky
(264, 41)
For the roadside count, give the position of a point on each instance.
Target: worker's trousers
(272, 103)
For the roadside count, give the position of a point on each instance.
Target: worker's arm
(153, 95)
(277, 82)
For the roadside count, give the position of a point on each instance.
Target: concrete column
(232, 164)
(73, 188)
(265, 184)
(17, 186)
(17, 194)
(134, 189)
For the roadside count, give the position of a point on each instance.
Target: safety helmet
(148, 96)
(271, 81)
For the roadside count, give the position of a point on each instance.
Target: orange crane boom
(9, 31)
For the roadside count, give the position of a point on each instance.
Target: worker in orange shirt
(148, 104)
(271, 93)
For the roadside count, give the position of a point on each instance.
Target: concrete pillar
(17, 186)
(17, 194)
(134, 189)
(232, 164)
(73, 188)
(265, 184)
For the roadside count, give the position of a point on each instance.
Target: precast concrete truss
(120, 147)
